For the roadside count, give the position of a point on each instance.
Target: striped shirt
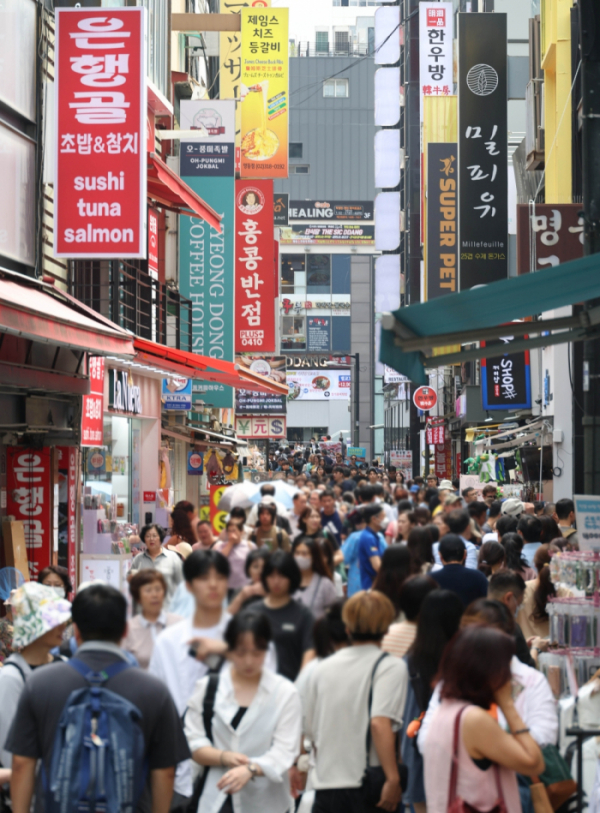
(399, 638)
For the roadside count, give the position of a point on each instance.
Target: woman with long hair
(491, 558)
(420, 545)
(513, 556)
(396, 567)
(533, 617)
(316, 591)
(181, 529)
(550, 529)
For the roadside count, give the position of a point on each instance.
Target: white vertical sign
(436, 30)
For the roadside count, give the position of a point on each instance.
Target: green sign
(359, 451)
(206, 278)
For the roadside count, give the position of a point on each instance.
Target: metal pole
(356, 433)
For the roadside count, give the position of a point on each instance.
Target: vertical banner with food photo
(264, 93)
(261, 403)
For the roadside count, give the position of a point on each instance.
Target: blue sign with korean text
(177, 393)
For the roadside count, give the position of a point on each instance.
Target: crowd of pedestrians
(374, 647)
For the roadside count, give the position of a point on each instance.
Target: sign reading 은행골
(100, 110)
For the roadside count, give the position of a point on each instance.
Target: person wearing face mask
(57, 578)
(371, 545)
(316, 591)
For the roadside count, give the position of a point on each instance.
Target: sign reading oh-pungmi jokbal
(100, 111)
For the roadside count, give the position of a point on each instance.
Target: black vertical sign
(442, 219)
(482, 149)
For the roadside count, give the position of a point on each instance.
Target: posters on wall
(442, 219)
(254, 278)
(348, 234)
(261, 403)
(506, 379)
(100, 111)
(212, 157)
(310, 385)
(29, 498)
(265, 84)
(436, 31)
(482, 149)
(331, 210)
(318, 334)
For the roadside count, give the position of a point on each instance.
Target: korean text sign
(29, 499)
(254, 282)
(558, 232)
(442, 219)
(482, 149)
(212, 155)
(265, 90)
(92, 413)
(587, 516)
(311, 385)
(435, 50)
(248, 402)
(506, 379)
(100, 107)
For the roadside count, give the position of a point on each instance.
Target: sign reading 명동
(100, 111)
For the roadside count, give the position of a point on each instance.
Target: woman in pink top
(475, 671)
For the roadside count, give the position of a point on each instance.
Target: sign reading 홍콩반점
(264, 85)
(100, 111)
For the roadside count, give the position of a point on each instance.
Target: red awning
(192, 365)
(169, 191)
(38, 312)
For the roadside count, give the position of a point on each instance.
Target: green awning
(409, 335)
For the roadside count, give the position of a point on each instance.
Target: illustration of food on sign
(261, 143)
(321, 382)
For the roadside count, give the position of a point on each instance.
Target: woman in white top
(157, 557)
(256, 727)
(317, 591)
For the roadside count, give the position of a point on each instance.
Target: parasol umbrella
(238, 496)
(284, 493)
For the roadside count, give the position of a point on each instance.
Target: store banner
(587, 517)
(309, 385)
(254, 289)
(153, 242)
(272, 428)
(402, 460)
(331, 210)
(212, 153)
(261, 403)
(195, 463)
(482, 149)
(505, 379)
(177, 394)
(435, 434)
(442, 219)
(218, 519)
(436, 31)
(443, 459)
(67, 468)
(92, 412)
(264, 93)
(206, 277)
(281, 206)
(29, 498)
(318, 334)
(558, 232)
(100, 135)
(315, 234)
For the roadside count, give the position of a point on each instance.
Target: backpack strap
(208, 706)
(377, 662)
(279, 537)
(19, 670)
(98, 678)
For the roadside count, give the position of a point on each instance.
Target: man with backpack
(80, 717)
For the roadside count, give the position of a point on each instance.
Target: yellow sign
(265, 91)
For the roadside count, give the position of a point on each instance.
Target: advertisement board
(318, 334)
(315, 234)
(309, 385)
(557, 229)
(263, 427)
(436, 31)
(261, 403)
(92, 412)
(505, 379)
(265, 106)
(281, 205)
(587, 517)
(153, 242)
(482, 149)
(402, 460)
(254, 280)
(177, 394)
(29, 499)
(212, 155)
(442, 219)
(331, 210)
(100, 132)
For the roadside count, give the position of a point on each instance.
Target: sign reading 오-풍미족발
(100, 110)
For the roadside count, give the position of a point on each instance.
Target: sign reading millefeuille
(100, 111)
(435, 50)
(254, 282)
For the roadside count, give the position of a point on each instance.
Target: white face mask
(303, 562)
(60, 591)
(384, 523)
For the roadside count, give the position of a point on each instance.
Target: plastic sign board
(587, 515)
(92, 413)
(435, 50)
(29, 499)
(195, 463)
(255, 427)
(177, 393)
(425, 398)
(100, 111)
(356, 451)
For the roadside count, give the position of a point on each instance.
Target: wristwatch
(253, 770)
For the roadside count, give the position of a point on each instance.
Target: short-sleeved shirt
(168, 563)
(466, 583)
(47, 690)
(292, 627)
(332, 524)
(369, 544)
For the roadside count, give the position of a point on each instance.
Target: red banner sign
(436, 434)
(29, 499)
(100, 109)
(254, 285)
(67, 466)
(153, 242)
(92, 413)
(443, 460)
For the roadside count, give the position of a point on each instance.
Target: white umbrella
(238, 496)
(284, 493)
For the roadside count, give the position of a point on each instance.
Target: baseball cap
(512, 507)
(37, 609)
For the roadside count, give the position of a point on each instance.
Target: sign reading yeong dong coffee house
(100, 110)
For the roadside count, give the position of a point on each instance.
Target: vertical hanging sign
(92, 412)
(254, 289)
(100, 111)
(482, 149)
(29, 499)
(442, 211)
(436, 31)
(264, 93)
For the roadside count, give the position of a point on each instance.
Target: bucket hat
(36, 610)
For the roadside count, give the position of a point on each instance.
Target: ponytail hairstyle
(545, 589)
(492, 553)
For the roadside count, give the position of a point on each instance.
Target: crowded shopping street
(299, 406)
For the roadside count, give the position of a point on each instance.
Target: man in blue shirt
(468, 584)
(350, 551)
(370, 545)
(330, 519)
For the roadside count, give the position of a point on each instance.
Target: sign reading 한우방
(436, 32)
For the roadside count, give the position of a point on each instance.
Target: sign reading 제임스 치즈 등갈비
(100, 110)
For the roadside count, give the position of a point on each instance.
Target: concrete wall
(362, 333)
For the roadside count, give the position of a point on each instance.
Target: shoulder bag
(374, 776)
(455, 803)
(208, 710)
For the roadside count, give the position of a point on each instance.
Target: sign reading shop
(123, 394)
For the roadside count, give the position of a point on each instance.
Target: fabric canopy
(170, 192)
(490, 306)
(192, 365)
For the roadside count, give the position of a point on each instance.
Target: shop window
(322, 40)
(293, 274)
(295, 149)
(318, 275)
(340, 274)
(293, 333)
(340, 334)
